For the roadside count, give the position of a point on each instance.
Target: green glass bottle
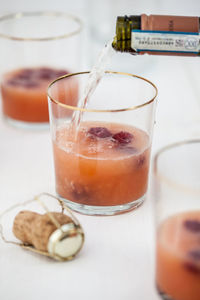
(124, 26)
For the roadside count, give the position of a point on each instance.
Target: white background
(117, 261)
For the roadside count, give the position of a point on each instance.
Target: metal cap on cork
(65, 242)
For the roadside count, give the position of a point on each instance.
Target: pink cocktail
(37, 47)
(107, 165)
(178, 256)
(102, 155)
(177, 192)
(24, 93)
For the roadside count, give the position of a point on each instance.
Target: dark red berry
(13, 82)
(79, 192)
(192, 225)
(100, 132)
(123, 137)
(24, 74)
(140, 161)
(60, 73)
(192, 268)
(45, 73)
(30, 78)
(25, 83)
(194, 254)
(48, 73)
(30, 84)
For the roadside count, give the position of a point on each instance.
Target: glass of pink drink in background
(102, 160)
(37, 48)
(177, 193)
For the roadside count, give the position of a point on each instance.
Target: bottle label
(165, 41)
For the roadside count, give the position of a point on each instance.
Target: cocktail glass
(36, 48)
(102, 161)
(177, 194)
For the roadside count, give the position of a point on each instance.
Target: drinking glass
(36, 48)
(177, 194)
(102, 152)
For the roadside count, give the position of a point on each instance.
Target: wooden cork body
(35, 229)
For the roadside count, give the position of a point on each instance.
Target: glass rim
(163, 177)
(75, 108)
(19, 15)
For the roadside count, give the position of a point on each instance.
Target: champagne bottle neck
(157, 33)
(124, 27)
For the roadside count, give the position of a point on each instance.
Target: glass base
(103, 210)
(27, 125)
(163, 295)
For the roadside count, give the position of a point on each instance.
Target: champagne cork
(55, 233)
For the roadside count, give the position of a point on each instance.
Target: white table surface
(117, 260)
